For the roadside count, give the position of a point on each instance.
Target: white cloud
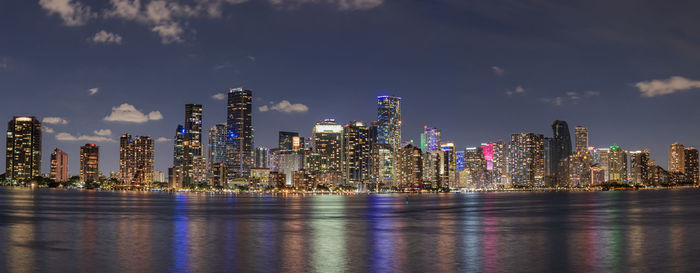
(54, 120)
(47, 129)
(68, 137)
(219, 96)
(4, 63)
(128, 113)
(224, 65)
(284, 107)
(163, 139)
(169, 32)
(592, 93)
(251, 58)
(93, 91)
(573, 97)
(558, 101)
(668, 86)
(518, 90)
(104, 37)
(103, 132)
(498, 71)
(72, 13)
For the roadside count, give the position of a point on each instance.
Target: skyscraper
(177, 172)
(23, 150)
(286, 140)
(690, 162)
(581, 135)
(356, 155)
(262, 157)
(430, 139)
(59, 166)
(389, 122)
(676, 158)
(559, 148)
(136, 160)
(89, 163)
(239, 129)
(410, 167)
(639, 172)
(192, 146)
(448, 171)
(328, 141)
(526, 159)
(617, 164)
(217, 144)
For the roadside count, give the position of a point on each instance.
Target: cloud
(72, 13)
(68, 137)
(339, 4)
(93, 91)
(104, 37)
(103, 132)
(223, 66)
(54, 120)
(498, 71)
(251, 58)
(219, 96)
(128, 113)
(668, 86)
(573, 97)
(47, 129)
(4, 63)
(518, 90)
(284, 107)
(163, 139)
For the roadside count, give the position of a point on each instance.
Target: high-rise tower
(89, 163)
(389, 124)
(581, 136)
(239, 130)
(23, 150)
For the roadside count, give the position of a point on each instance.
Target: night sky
(478, 70)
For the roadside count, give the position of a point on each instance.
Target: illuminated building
(500, 163)
(192, 145)
(526, 160)
(410, 165)
(199, 170)
(23, 149)
(59, 166)
(262, 157)
(285, 162)
(356, 155)
(487, 151)
(302, 180)
(603, 159)
(690, 164)
(262, 176)
(676, 158)
(476, 165)
(579, 169)
(217, 176)
(639, 171)
(617, 164)
(430, 139)
(239, 130)
(597, 175)
(177, 176)
(217, 144)
(328, 141)
(431, 168)
(158, 177)
(558, 148)
(581, 138)
(460, 160)
(136, 160)
(389, 123)
(382, 165)
(89, 163)
(286, 140)
(448, 170)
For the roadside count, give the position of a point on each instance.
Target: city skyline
(473, 88)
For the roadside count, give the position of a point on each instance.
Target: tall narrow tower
(389, 124)
(23, 156)
(239, 130)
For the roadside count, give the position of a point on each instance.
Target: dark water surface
(88, 231)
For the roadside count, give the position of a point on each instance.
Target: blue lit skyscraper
(239, 130)
(389, 123)
(460, 160)
(430, 139)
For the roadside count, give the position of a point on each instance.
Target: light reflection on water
(87, 231)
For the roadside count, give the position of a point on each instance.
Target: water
(88, 231)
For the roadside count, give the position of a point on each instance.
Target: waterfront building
(382, 165)
(217, 144)
(579, 169)
(639, 171)
(676, 158)
(177, 177)
(690, 165)
(617, 165)
(389, 124)
(192, 145)
(448, 170)
(558, 148)
(410, 165)
(356, 155)
(603, 159)
(286, 141)
(89, 163)
(526, 160)
(262, 157)
(500, 163)
(597, 175)
(430, 139)
(23, 148)
(431, 169)
(136, 160)
(328, 141)
(239, 134)
(59, 166)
